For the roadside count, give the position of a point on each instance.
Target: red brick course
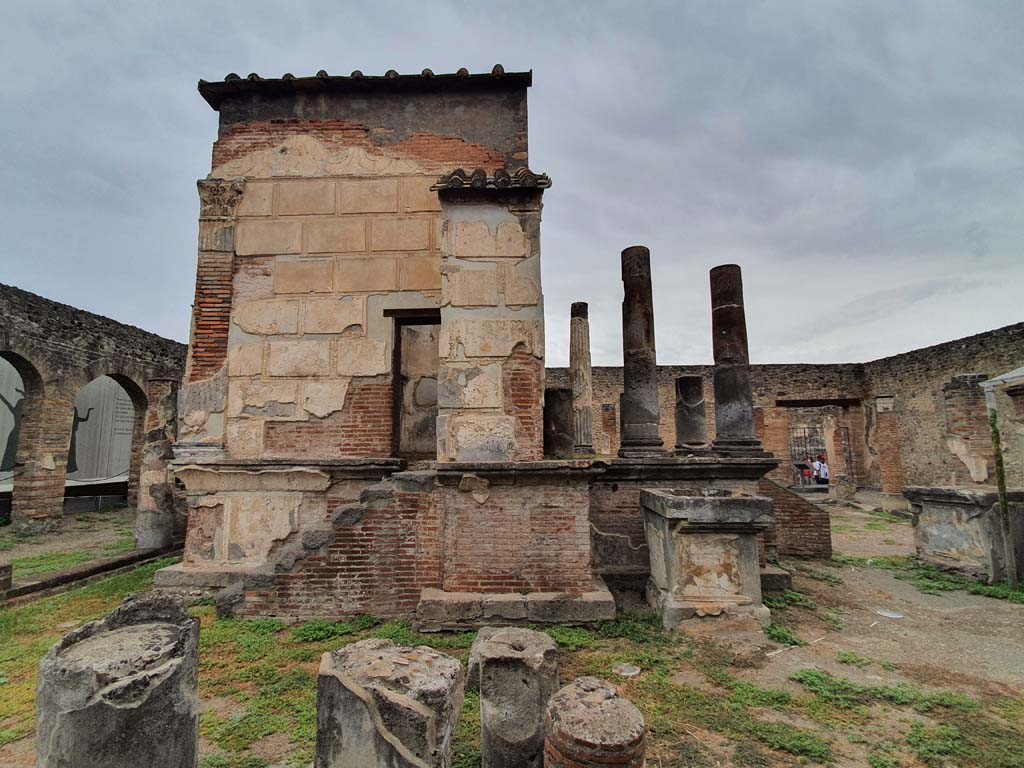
(523, 382)
(211, 315)
(801, 528)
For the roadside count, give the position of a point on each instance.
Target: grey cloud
(862, 161)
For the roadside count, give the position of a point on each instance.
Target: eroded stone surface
(387, 706)
(589, 723)
(123, 690)
(518, 671)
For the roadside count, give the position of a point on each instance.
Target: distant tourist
(808, 472)
(821, 470)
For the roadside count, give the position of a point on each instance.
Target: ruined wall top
(403, 114)
(62, 341)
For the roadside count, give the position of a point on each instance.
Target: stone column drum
(581, 376)
(703, 550)
(558, 423)
(734, 399)
(381, 705)
(123, 690)
(589, 724)
(641, 414)
(156, 523)
(691, 418)
(518, 673)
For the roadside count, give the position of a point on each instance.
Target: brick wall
(523, 383)
(532, 537)
(801, 528)
(210, 313)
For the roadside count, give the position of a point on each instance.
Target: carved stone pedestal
(703, 545)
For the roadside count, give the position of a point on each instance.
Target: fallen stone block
(518, 671)
(123, 690)
(380, 705)
(589, 724)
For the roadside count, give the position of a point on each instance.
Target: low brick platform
(439, 610)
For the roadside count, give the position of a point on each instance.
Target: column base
(739, 447)
(675, 610)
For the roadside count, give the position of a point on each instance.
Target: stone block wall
(491, 379)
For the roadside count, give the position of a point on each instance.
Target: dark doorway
(416, 363)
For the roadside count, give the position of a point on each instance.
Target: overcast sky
(862, 161)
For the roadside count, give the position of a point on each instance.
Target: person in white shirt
(821, 470)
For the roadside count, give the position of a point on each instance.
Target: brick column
(38, 494)
(887, 433)
(155, 523)
(134, 458)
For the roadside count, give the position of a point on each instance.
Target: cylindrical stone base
(123, 690)
(558, 424)
(590, 725)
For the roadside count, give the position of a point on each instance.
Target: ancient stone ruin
(123, 690)
(380, 705)
(590, 724)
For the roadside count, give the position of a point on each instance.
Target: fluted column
(691, 418)
(734, 400)
(580, 375)
(640, 412)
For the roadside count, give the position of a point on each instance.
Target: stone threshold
(57, 582)
(440, 611)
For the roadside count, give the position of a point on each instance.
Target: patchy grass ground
(834, 683)
(84, 536)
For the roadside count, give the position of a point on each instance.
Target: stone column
(734, 399)
(382, 705)
(580, 374)
(518, 673)
(155, 522)
(589, 724)
(123, 690)
(37, 496)
(691, 418)
(558, 423)
(641, 415)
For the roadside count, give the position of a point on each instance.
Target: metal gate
(804, 443)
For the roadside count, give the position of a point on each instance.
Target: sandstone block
(589, 724)
(369, 196)
(303, 275)
(244, 395)
(470, 386)
(522, 285)
(257, 199)
(305, 197)
(244, 438)
(484, 438)
(488, 337)
(253, 523)
(476, 239)
(504, 607)
(400, 234)
(216, 236)
(299, 358)
(437, 609)
(385, 706)
(267, 317)
(419, 273)
(518, 674)
(417, 195)
(334, 315)
(344, 235)
(245, 359)
(472, 288)
(379, 274)
(325, 397)
(122, 690)
(255, 238)
(362, 357)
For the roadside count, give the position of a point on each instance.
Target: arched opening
(104, 443)
(21, 390)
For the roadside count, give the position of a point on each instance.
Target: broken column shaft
(589, 724)
(641, 415)
(691, 419)
(734, 400)
(580, 374)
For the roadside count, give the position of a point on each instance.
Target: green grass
(24, 567)
(318, 630)
(845, 695)
(783, 635)
(853, 658)
(466, 745)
